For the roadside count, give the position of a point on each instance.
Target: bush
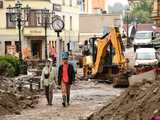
(13, 61)
(6, 68)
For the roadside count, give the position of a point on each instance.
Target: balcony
(155, 15)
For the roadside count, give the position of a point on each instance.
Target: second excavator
(108, 60)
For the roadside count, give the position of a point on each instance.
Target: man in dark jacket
(66, 77)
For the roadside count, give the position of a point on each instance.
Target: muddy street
(86, 97)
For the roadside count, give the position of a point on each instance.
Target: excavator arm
(102, 44)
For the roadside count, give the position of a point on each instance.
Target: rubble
(12, 101)
(140, 102)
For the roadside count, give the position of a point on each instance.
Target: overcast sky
(112, 2)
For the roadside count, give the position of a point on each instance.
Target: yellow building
(156, 12)
(95, 6)
(33, 32)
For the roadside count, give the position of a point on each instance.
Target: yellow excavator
(108, 60)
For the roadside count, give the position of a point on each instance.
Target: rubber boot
(64, 101)
(50, 99)
(68, 99)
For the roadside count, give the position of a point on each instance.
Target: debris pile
(12, 101)
(139, 102)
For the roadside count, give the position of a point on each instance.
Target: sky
(112, 2)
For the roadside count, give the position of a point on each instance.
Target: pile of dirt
(12, 101)
(140, 102)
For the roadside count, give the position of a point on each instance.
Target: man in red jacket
(66, 76)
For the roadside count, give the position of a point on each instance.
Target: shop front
(34, 40)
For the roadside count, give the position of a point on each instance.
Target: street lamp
(136, 23)
(46, 19)
(19, 15)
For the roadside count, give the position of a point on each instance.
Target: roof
(145, 50)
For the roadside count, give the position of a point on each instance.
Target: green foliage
(6, 68)
(141, 11)
(12, 61)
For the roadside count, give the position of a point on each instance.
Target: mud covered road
(86, 98)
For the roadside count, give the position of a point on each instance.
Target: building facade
(98, 25)
(156, 12)
(95, 20)
(94, 6)
(33, 33)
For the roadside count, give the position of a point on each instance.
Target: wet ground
(86, 97)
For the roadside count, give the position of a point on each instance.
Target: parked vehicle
(146, 57)
(143, 39)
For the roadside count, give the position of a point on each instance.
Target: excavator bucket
(121, 80)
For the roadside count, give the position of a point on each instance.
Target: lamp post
(136, 23)
(46, 19)
(19, 15)
(127, 17)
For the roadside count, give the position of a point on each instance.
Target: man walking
(48, 80)
(66, 76)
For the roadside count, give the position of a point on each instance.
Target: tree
(141, 11)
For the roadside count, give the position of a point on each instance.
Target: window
(64, 20)
(63, 45)
(84, 6)
(55, 44)
(57, 7)
(143, 36)
(63, 2)
(7, 44)
(10, 24)
(70, 3)
(1, 4)
(17, 46)
(70, 22)
(146, 56)
(32, 20)
(79, 2)
(36, 18)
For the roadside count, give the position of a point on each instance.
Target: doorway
(36, 48)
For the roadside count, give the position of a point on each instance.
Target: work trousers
(49, 94)
(85, 70)
(65, 92)
(65, 89)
